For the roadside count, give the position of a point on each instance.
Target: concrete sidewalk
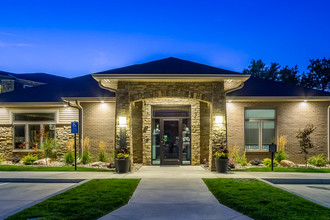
(167, 172)
(173, 199)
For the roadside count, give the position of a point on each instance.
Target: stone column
(123, 110)
(218, 132)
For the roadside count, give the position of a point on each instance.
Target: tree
(256, 69)
(304, 138)
(319, 71)
(289, 75)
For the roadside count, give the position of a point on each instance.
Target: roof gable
(169, 65)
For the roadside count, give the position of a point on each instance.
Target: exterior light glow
(102, 101)
(218, 120)
(305, 100)
(122, 121)
(229, 101)
(65, 106)
(303, 104)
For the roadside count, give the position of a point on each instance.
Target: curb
(39, 180)
(298, 181)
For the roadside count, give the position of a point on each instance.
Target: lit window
(259, 128)
(30, 129)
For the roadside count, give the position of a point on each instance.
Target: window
(259, 128)
(28, 128)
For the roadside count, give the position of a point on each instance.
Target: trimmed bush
(268, 162)
(29, 159)
(318, 160)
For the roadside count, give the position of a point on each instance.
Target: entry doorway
(171, 136)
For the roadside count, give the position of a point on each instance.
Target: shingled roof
(37, 77)
(84, 86)
(169, 65)
(262, 87)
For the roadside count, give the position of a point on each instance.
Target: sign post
(74, 130)
(272, 149)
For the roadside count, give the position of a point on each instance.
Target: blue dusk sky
(72, 38)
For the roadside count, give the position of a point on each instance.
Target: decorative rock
(42, 162)
(287, 163)
(100, 164)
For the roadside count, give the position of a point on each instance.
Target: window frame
(26, 126)
(260, 122)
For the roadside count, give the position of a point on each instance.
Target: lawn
(66, 168)
(284, 169)
(260, 200)
(90, 200)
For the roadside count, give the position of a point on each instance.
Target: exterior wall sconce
(122, 121)
(218, 120)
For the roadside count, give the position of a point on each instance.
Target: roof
(37, 77)
(170, 65)
(262, 87)
(83, 86)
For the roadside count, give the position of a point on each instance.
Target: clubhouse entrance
(171, 139)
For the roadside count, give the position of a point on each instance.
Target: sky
(77, 37)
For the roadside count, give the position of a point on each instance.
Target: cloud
(4, 44)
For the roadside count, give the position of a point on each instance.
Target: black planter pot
(122, 165)
(221, 165)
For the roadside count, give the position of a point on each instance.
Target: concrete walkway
(173, 199)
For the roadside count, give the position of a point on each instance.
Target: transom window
(259, 128)
(29, 127)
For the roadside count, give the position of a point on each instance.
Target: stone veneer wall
(63, 136)
(195, 126)
(291, 116)
(137, 131)
(99, 125)
(211, 92)
(205, 131)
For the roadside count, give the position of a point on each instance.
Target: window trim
(260, 120)
(27, 123)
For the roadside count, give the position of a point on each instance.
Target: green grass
(260, 200)
(284, 169)
(66, 168)
(90, 200)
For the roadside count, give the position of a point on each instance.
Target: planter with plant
(221, 161)
(123, 161)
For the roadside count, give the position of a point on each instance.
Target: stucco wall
(290, 117)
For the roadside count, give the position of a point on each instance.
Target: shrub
(102, 155)
(268, 162)
(281, 155)
(16, 160)
(29, 159)
(2, 157)
(86, 157)
(255, 162)
(236, 157)
(69, 156)
(318, 160)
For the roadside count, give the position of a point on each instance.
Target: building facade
(166, 112)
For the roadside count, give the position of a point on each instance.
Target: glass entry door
(170, 142)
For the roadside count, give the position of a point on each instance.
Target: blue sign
(74, 127)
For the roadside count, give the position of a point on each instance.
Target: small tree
(304, 138)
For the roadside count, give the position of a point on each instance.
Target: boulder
(99, 164)
(42, 162)
(287, 163)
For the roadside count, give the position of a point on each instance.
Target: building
(168, 111)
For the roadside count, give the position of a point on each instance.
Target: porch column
(218, 132)
(123, 110)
